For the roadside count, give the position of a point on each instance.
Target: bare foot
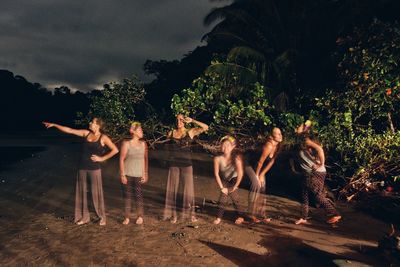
(174, 220)
(266, 220)
(126, 221)
(139, 220)
(102, 222)
(217, 221)
(239, 220)
(254, 219)
(334, 219)
(301, 221)
(81, 222)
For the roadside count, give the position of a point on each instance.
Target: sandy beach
(37, 229)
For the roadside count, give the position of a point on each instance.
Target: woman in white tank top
(313, 167)
(228, 172)
(133, 166)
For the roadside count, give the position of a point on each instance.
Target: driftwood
(364, 181)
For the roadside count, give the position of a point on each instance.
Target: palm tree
(262, 34)
(284, 44)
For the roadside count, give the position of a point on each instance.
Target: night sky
(84, 44)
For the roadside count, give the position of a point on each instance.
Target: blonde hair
(228, 138)
(135, 125)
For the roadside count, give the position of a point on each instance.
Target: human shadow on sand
(290, 251)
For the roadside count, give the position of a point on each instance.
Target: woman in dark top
(180, 167)
(257, 195)
(89, 165)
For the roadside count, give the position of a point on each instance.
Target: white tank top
(134, 160)
(227, 172)
(307, 161)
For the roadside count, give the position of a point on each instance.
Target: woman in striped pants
(311, 159)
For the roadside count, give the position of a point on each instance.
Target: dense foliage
(120, 103)
(357, 121)
(360, 122)
(117, 105)
(286, 45)
(227, 108)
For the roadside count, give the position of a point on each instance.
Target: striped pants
(135, 186)
(314, 184)
(223, 199)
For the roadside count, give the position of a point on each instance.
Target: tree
(286, 44)
(244, 114)
(360, 122)
(118, 104)
(121, 103)
(172, 76)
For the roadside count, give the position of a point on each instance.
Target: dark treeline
(23, 105)
(296, 41)
(172, 76)
(299, 38)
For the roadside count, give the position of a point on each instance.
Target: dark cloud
(84, 44)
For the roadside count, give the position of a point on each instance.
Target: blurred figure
(257, 195)
(133, 168)
(311, 159)
(228, 172)
(89, 165)
(180, 167)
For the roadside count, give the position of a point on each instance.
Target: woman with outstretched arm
(89, 165)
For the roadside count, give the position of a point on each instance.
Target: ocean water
(12, 154)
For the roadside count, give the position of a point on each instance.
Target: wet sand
(36, 218)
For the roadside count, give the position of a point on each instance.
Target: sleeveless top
(89, 149)
(227, 172)
(267, 160)
(180, 151)
(306, 160)
(134, 160)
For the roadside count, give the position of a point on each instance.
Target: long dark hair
(99, 122)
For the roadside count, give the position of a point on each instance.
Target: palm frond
(226, 34)
(235, 74)
(219, 13)
(246, 53)
(285, 59)
(281, 102)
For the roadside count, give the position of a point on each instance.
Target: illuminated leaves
(117, 105)
(227, 107)
(361, 121)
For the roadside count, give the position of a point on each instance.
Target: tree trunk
(391, 122)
